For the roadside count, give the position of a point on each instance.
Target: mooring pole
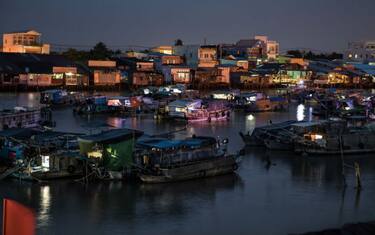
(342, 162)
(357, 176)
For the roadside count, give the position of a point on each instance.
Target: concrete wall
(189, 52)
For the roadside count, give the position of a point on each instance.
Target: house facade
(140, 72)
(258, 47)
(171, 60)
(181, 75)
(212, 77)
(208, 56)
(39, 70)
(250, 80)
(361, 51)
(104, 73)
(270, 48)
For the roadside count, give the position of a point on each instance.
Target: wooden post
(342, 162)
(358, 176)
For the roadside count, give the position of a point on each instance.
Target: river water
(292, 195)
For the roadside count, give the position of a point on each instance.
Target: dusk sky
(325, 25)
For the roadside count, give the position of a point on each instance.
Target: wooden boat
(283, 144)
(258, 136)
(197, 110)
(60, 97)
(207, 168)
(36, 154)
(260, 102)
(348, 142)
(20, 117)
(92, 105)
(110, 150)
(163, 160)
(64, 164)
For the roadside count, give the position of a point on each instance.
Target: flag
(17, 219)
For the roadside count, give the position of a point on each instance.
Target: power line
(91, 46)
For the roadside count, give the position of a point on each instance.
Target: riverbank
(367, 228)
(127, 88)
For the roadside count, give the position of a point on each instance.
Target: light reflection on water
(311, 109)
(45, 203)
(300, 112)
(250, 123)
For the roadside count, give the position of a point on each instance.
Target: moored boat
(23, 117)
(110, 150)
(60, 97)
(164, 160)
(346, 141)
(260, 102)
(197, 110)
(260, 134)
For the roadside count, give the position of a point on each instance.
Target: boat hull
(209, 168)
(209, 119)
(251, 141)
(275, 145)
(324, 152)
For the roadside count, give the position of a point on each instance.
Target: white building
(271, 48)
(361, 51)
(24, 42)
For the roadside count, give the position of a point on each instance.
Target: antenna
(205, 41)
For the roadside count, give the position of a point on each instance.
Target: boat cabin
(114, 148)
(180, 108)
(124, 102)
(225, 95)
(158, 152)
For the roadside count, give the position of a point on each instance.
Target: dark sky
(317, 24)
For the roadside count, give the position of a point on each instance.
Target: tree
(100, 52)
(178, 42)
(309, 55)
(117, 52)
(76, 55)
(295, 53)
(312, 56)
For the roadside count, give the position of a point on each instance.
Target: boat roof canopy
(112, 136)
(308, 124)
(280, 125)
(164, 144)
(184, 102)
(38, 135)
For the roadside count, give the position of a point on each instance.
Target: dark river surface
(295, 194)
